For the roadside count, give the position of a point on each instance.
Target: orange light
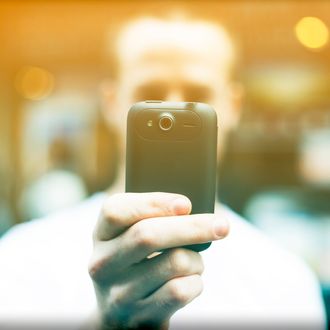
(312, 32)
(34, 83)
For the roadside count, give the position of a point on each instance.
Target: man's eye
(150, 93)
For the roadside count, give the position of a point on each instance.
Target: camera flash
(149, 123)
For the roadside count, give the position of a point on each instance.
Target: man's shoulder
(48, 257)
(244, 236)
(83, 214)
(253, 277)
(248, 246)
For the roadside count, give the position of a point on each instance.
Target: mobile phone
(172, 147)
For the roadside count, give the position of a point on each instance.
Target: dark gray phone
(172, 147)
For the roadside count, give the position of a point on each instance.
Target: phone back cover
(184, 166)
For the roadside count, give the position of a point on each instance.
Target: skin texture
(135, 285)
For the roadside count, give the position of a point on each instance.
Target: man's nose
(174, 95)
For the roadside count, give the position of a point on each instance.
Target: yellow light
(34, 83)
(312, 32)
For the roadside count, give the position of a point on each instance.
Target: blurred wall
(66, 45)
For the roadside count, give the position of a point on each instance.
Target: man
(247, 281)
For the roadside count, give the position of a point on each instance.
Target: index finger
(121, 211)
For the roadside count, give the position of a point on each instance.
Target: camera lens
(166, 122)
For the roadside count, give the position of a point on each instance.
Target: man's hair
(146, 32)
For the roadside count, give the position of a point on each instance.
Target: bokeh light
(312, 32)
(34, 83)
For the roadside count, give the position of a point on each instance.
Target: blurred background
(276, 171)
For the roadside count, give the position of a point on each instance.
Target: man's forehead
(173, 42)
(168, 53)
(174, 65)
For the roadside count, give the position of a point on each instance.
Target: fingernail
(221, 227)
(181, 205)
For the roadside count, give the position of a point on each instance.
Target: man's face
(175, 75)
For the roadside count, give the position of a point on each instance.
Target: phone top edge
(170, 105)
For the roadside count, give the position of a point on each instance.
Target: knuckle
(160, 204)
(110, 210)
(200, 228)
(144, 236)
(100, 266)
(182, 291)
(180, 261)
(179, 293)
(94, 267)
(117, 298)
(198, 286)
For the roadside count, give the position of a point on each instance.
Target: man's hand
(134, 286)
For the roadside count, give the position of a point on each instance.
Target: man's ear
(237, 93)
(108, 96)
